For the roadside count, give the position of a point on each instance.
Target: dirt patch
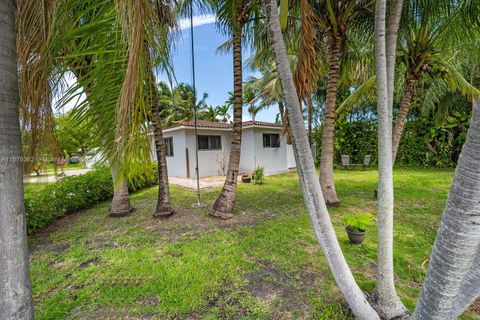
(186, 224)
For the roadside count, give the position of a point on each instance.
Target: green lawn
(262, 264)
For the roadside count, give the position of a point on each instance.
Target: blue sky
(214, 70)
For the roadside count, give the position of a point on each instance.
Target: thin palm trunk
(164, 207)
(225, 203)
(120, 206)
(458, 238)
(470, 290)
(328, 134)
(385, 298)
(15, 290)
(402, 116)
(310, 119)
(391, 51)
(314, 200)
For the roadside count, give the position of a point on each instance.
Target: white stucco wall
(211, 162)
(176, 164)
(271, 159)
(215, 162)
(290, 157)
(247, 154)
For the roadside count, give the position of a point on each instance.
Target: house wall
(247, 153)
(211, 162)
(271, 159)
(176, 164)
(291, 163)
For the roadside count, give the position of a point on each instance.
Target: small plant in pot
(357, 224)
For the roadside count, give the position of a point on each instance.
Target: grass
(262, 264)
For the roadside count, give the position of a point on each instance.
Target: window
(271, 140)
(209, 143)
(168, 146)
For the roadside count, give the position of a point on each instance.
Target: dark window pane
(203, 142)
(168, 146)
(215, 142)
(266, 140)
(275, 140)
(271, 140)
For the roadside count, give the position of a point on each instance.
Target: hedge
(74, 193)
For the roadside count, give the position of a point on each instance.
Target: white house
(262, 145)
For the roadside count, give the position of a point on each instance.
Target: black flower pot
(355, 237)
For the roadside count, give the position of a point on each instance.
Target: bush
(258, 176)
(71, 194)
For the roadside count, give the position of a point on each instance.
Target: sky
(214, 70)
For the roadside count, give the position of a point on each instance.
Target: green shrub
(359, 222)
(74, 193)
(258, 175)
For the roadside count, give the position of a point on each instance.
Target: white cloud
(199, 20)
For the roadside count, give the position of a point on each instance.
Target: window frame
(269, 146)
(170, 146)
(209, 142)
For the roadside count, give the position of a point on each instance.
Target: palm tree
(249, 96)
(15, 290)
(164, 207)
(458, 238)
(428, 38)
(387, 302)
(232, 15)
(222, 111)
(335, 17)
(314, 201)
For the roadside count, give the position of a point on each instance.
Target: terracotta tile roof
(223, 125)
(260, 124)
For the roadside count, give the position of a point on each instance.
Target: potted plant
(357, 224)
(246, 178)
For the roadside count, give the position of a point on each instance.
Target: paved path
(52, 178)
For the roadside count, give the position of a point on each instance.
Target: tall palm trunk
(120, 206)
(313, 197)
(15, 290)
(470, 290)
(164, 208)
(410, 84)
(458, 239)
(310, 119)
(225, 204)
(328, 134)
(385, 297)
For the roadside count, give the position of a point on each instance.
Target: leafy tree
(73, 138)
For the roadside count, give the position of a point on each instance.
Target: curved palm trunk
(164, 208)
(458, 239)
(328, 134)
(225, 203)
(314, 200)
(470, 290)
(120, 206)
(402, 116)
(385, 298)
(15, 290)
